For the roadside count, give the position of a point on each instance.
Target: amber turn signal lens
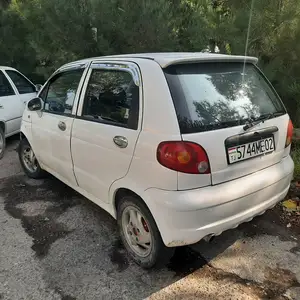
(289, 135)
(183, 157)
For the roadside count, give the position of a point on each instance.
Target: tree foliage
(37, 36)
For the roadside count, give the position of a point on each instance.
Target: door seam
(71, 153)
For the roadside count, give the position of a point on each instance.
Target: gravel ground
(55, 244)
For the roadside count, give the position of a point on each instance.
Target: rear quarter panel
(159, 123)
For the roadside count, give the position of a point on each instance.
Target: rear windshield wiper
(262, 118)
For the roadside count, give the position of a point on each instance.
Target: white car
(15, 91)
(177, 147)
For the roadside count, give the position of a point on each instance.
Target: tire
(2, 142)
(37, 172)
(159, 255)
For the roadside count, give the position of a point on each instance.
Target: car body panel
(52, 144)
(214, 144)
(12, 107)
(185, 217)
(96, 140)
(164, 59)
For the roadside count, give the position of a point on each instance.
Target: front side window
(61, 92)
(5, 87)
(22, 84)
(112, 97)
(210, 96)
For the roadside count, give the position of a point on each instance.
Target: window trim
(78, 92)
(11, 84)
(128, 67)
(118, 67)
(22, 75)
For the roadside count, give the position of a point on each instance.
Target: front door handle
(1, 106)
(120, 141)
(62, 126)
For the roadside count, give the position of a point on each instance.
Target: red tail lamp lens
(185, 157)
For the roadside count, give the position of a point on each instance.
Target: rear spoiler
(164, 63)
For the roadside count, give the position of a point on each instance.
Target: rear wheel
(29, 162)
(2, 142)
(140, 234)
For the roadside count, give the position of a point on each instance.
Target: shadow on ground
(78, 244)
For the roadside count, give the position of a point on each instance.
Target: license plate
(250, 150)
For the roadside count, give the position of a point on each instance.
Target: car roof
(6, 68)
(164, 59)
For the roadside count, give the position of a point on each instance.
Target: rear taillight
(289, 134)
(185, 157)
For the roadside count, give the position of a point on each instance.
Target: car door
(25, 88)
(11, 109)
(51, 127)
(107, 126)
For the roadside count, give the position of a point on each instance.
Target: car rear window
(210, 96)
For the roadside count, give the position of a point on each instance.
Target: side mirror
(35, 104)
(38, 87)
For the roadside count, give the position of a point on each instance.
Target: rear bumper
(185, 217)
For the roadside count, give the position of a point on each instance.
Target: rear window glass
(210, 96)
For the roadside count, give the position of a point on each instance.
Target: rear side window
(112, 97)
(210, 96)
(22, 84)
(5, 87)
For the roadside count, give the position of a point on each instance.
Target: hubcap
(29, 159)
(137, 231)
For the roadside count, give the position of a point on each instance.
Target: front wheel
(140, 235)
(29, 162)
(2, 142)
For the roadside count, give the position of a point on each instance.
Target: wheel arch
(25, 132)
(127, 186)
(23, 136)
(119, 193)
(3, 126)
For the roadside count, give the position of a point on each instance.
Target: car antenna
(247, 39)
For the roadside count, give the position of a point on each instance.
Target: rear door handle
(62, 126)
(120, 141)
(1, 106)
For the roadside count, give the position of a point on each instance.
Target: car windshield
(209, 96)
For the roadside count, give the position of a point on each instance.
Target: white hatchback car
(176, 146)
(15, 91)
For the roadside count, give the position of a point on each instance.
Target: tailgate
(233, 112)
(224, 168)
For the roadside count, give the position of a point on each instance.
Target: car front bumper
(186, 217)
